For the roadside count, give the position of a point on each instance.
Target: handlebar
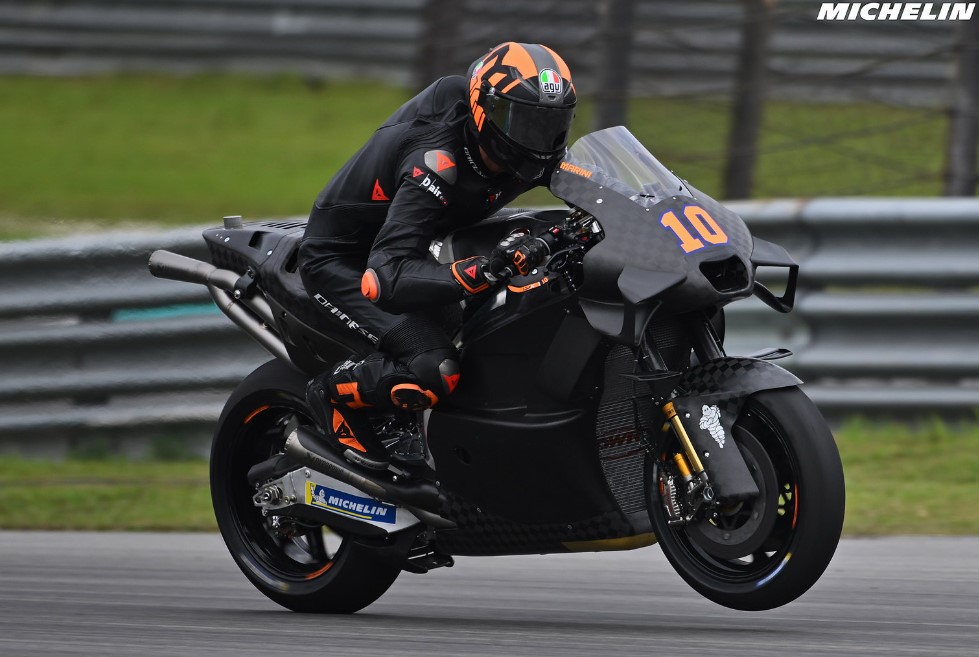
(551, 238)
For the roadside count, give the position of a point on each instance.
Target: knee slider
(435, 374)
(437, 370)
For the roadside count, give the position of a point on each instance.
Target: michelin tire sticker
(352, 506)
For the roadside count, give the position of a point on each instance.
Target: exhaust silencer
(164, 264)
(419, 497)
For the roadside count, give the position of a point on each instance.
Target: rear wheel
(300, 566)
(764, 552)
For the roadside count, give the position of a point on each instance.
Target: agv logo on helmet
(550, 81)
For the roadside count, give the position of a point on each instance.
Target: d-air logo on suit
(440, 169)
(430, 185)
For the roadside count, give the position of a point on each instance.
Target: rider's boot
(346, 422)
(353, 430)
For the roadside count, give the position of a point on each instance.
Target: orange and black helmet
(522, 102)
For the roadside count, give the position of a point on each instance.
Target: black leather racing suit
(419, 176)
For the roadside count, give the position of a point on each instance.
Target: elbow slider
(370, 287)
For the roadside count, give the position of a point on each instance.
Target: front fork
(696, 487)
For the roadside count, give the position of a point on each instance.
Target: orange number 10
(704, 224)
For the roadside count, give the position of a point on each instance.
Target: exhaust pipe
(420, 497)
(262, 332)
(252, 313)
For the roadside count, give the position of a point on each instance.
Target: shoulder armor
(442, 163)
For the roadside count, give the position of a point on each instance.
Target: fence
(884, 323)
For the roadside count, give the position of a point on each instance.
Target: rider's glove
(520, 252)
(470, 275)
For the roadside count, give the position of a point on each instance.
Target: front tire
(304, 568)
(780, 542)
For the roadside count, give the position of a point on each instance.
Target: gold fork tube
(681, 433)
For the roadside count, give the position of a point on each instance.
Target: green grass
(911, 480)
(89, 153)
(900, 480)
(105, 495)
(174, 150)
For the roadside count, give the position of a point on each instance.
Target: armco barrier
(885, 320)
(887, 311)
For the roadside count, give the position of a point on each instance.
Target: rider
(449, 157)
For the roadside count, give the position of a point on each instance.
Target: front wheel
(767, 551)
(303, 567)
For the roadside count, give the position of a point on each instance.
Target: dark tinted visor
(523, 166)
(538, 129)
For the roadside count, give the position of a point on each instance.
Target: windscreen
(618, 155)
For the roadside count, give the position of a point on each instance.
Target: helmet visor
(538, 129)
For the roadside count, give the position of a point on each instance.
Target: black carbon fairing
(266, 251)
(575, 481)
(662, 237)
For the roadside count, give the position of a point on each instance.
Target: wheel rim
(280, 548)
(768, 532)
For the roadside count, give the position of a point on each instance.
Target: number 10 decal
(704, 225)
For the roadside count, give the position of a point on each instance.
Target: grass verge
(920, 479)
(105, 495)
(900, 480)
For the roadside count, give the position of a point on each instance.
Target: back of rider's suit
(419, 176)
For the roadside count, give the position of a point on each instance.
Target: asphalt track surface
(180, 594)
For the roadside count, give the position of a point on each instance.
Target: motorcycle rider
(449, 157)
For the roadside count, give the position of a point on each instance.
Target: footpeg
(422, 564)
(408, 450)
(422, 558)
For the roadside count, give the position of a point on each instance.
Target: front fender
(709, 398)
(734, 377)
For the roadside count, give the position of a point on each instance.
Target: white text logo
(896, 11)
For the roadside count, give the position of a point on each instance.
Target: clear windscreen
(617, 154)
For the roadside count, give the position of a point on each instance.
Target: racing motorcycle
(634, 427)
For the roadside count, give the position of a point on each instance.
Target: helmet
(522, 103)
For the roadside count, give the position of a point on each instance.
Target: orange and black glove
(469, 273)
(519, 252)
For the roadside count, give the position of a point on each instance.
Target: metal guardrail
(888, 306)
(316, 37)
(85, 345)
(885, 320)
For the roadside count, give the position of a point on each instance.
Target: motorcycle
(633, 427)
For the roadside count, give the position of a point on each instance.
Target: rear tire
(788, 535)
(305, 572)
